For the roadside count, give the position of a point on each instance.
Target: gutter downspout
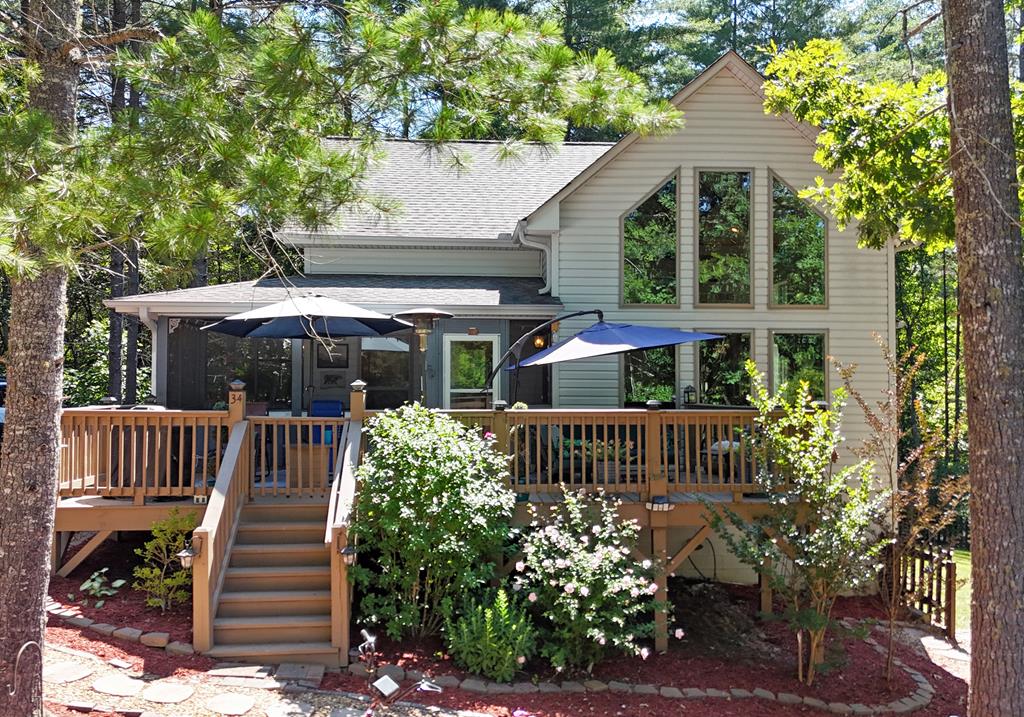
(156, 385)
(520, 236)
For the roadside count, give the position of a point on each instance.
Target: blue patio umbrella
(304, 317)
(602, 339)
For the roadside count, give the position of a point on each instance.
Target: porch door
(468, 360)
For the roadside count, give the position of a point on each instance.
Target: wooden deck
(273, 498)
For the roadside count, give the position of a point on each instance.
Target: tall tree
(923, 165)
(233, 130)
(983, 164)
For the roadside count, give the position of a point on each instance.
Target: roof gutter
(520, 235)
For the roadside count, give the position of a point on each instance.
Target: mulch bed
(128, 607)
(723, 648)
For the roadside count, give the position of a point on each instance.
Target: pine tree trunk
(35, 358)
(988, 237)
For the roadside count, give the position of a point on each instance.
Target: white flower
(569, 588)
(584, 590)
(517, 586)
(652, 588)
(521, 660)
(644, 653)
(646, 564)
(532, 597)
(679, 633)
(600, 641)
(520, 566)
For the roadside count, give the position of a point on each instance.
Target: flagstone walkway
(87, 683)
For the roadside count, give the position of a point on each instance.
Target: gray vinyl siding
(429, 262)
(726, 128)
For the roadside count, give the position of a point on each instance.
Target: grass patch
(963, 589)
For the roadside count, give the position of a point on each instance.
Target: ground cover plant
(433, 509)
(819, 537)
(494, 637)
(591, 596)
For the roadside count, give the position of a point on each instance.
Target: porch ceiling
(463, 296)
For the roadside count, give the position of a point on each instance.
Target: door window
(469, 360)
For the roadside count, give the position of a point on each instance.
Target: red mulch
(152, 660)
(128, 607)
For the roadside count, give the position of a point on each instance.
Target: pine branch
(109, 39)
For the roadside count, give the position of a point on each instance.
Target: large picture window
(798, 250)
(723, 231)
(649, 241)
(722, 366)
(796, 358)
(650, 376)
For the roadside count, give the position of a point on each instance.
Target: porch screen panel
(796, 358)
(798, 250)
(722, 367)
(649, 256)
(723, 231)
(386, 366)
(650, 376)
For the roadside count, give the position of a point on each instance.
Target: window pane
(723, 209)
(798, 249)
(650, 375)
(649, 250)
(723, 376)
(264, 364)
(385, 366)
(470, 364)
(799, 357)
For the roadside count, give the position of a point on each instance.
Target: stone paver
(230, 703)
(167, 693)
(118, 685)
(61, 673)
(155, 639)
(132, 634)
(102, 628)
(595, 685)
(549, 687)
(297, 671)
(672, 693)
(230, 669)
(180, 648)
(571, 686)
(645, 689)
(290, 708)
(347, 712)
(473, 685)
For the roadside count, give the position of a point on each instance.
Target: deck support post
(61, 538)
(84, 552)
(659, 549)
(766, 588)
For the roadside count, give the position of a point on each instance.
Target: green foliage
(433, 509)
(577, 571)
(799, 359)
(649, 246)
(493, 638)
(160, 576)
(650, 375)
(818, 537)
(723, 370)
(889, 139)
(99, 586)
(798, 249)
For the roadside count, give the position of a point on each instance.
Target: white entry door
(468, 361)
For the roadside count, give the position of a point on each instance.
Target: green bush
(433, 508)
(493, 640)
(593, 596)
(161, 576)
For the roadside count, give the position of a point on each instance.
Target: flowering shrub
(578, 572)
(433, 508)
(494, 640)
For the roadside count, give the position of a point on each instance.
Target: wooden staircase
(275, 603)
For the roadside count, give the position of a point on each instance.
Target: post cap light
(237, 385)
(358, 385)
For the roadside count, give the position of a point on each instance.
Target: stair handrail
(342, 501)
(213, 539)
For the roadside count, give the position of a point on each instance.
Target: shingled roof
(470, 295)
(464, 192)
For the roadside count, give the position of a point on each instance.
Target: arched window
(798, 250)
(650, 239)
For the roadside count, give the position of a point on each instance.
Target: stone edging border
(920, 698)
(159, 640)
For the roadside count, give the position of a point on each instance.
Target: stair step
(254, 603)
(277, 577)
(287, 531)
(279, 554)
(290, 511)
(321, 653)
(271, 629)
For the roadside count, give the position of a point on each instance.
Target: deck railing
(140, 453)
(624, 450)
(295, 456)
(212, 540)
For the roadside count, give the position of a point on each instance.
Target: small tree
(434, 507)
(820, 535)
(161, 576)
(921, 502)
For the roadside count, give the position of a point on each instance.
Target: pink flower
(652, 588)
(679, 633)
(532, 597)
(521, 660)
(601, 641)
(520, 566)
(569, 588)
(488, 435)
(584, 590)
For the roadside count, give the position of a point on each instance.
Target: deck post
(499, 427)
(236, 401)
(341, 609)
(202, 611)
(657, 487)
(357, 400)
